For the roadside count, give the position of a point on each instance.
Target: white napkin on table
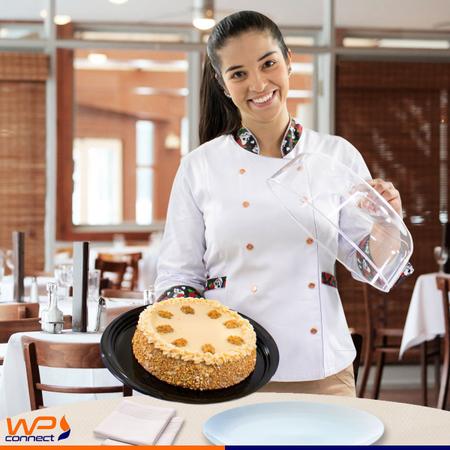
(166, 438)
(134, 423)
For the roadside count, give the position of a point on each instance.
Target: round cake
(195, 343)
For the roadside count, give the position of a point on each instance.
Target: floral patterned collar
(247, 140)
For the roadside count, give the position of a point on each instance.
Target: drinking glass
(441, 256)
(64, 277)
(93, 285)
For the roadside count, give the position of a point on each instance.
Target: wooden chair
(357, 342)
(443, 284)
(14, 311)
(62, 355)
(132, 260)
(9, 327)
(114, 271)
(118, 293)
(378, 343)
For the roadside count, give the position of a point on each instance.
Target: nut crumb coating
(188, 374)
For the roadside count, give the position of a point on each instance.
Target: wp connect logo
(29, 430)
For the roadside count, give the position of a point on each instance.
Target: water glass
(93, 285)
(441, 256)
(64, 277)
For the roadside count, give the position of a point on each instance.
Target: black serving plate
(118, 357)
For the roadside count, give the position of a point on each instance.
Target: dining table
(425, 317)
(14, 397)
(404, 424)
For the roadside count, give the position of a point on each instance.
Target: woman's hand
(387, 190)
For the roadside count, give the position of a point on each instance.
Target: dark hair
(218, 114)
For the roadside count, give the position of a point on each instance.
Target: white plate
(293, 423)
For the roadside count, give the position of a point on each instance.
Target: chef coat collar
(247, 140)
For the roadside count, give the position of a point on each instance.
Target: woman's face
(256, 76)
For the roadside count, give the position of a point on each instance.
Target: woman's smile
(263, 101)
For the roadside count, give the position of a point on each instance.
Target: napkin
(166, 438)
(134, 423)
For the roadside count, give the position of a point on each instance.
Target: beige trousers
(341, 383)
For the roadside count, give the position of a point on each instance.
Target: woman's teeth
(263, 99)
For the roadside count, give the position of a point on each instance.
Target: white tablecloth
(404, 424)
(425, 319)
(7, 287)
(14, 397)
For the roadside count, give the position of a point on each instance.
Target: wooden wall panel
(22, 153)
(391, 112)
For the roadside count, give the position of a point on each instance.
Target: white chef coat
(223, 221)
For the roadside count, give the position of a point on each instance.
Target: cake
(195, 343)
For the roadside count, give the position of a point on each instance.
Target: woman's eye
(237, 75)
(269, 63)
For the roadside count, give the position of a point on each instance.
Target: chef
(227, 237)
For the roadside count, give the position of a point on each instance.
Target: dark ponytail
(218, 114)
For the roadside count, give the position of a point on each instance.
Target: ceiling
(392, 14)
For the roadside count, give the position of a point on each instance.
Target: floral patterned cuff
(368, 272)
(180, 291)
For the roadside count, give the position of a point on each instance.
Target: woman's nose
(257, 82)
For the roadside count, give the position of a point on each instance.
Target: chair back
(357, 342)
(443, 284)
(14, 311)
(61, 355)
(117, 293)
(9, 327)
(114, 271)
(130, 280)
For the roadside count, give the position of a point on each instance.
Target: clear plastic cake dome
(346, 216)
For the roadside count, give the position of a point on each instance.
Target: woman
(226, 236)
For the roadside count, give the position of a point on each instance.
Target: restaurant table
(425, 319)
(404, 424)
(14, 398)
(7, 286)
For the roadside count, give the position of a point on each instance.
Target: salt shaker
(100, 314)
(52, 320)
(34, 294)
(149, 295)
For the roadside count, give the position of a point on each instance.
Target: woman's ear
(288, 62)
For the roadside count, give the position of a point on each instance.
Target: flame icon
(65, 427)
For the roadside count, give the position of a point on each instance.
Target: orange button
(313, 330)
(250, 246)
(242, 171)
(312, 285)
(309, 241)
(245, 204)
(254, 289)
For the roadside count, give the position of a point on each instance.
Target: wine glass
(440, 256)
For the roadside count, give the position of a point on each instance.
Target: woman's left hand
(387, 190)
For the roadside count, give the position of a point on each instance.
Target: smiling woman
(227, 237)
